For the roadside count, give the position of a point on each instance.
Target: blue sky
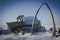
(10, 9)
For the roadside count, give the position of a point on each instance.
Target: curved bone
(51, 17)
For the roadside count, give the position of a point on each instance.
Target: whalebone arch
(54, 27)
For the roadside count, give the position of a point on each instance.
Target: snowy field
(28, 36)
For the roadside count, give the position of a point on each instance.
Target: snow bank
(28, 36)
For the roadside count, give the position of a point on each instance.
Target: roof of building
(27, 22)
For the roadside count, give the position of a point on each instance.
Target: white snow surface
(28, 36)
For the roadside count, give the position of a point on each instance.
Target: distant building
(37, 27)
(27, 25)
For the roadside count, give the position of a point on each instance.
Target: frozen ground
(28, 36)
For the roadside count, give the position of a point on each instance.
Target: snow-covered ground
(28, 36)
